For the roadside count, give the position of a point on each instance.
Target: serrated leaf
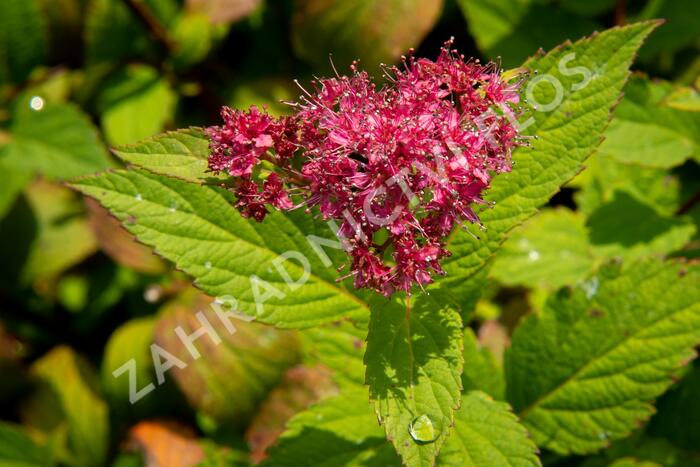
(567, 136)
(349, 30)
(23, 39)
(336, 431)
(134, 104)
(646, 132)
(182, 154)
(481, 370)
(487, 434)
(514, 29)
(551, 249)
(58, 141)
(68, 390)
(584, 370)
(203, 234)
(414, 362)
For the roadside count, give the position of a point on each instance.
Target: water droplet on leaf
(138, 197)
(207, 265)
(423, 430)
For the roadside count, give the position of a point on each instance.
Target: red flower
(411, 158)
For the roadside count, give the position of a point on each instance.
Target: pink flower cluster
(397, 166)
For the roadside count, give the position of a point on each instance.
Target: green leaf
(23, 41)
(134, 104)
(584, 370)
(181, 154)
(48, 234)
(58, 141)
(194, 35)
(515, 29)
(487, 434)
(113, 34)
(628, 229)
(204, 235)
(414, 362)
(247, 361)
(68, 391)
(647, 132)
(481, 370)
(336, 431)
(684, 98)
(678, 417)
(18, 450)
(567, 135)
(15, 181)
(349, 30)
(681, 28)
(551, 249)
(338, 347)
(604, 177)
(132, 340)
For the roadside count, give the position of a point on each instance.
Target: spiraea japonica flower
(397, 166)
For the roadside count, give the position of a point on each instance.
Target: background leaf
(584, 370)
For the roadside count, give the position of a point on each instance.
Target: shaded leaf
(18, 450)
(67, 399)
(23, 39)
(374, 31)
(246, 363)
(300, 387)
(481, 369)
(48, 232)
(337, 431)
(626, 228)
(515, 29)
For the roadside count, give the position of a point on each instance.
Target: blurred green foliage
(79, 297)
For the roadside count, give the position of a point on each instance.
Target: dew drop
(173, 207)
(36, 103)
(423, 430)
(138, 197)
(207, 265)
(533, 255)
